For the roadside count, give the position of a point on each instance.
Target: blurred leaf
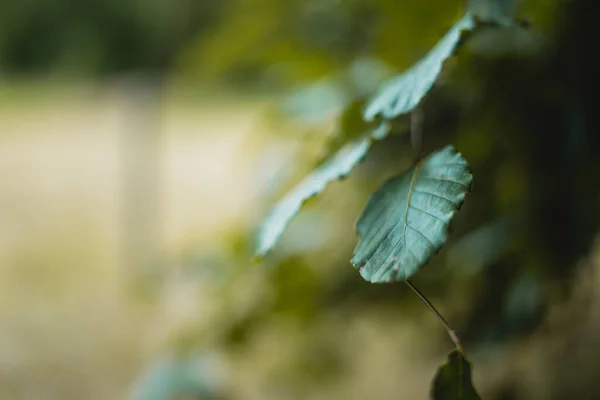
(170, 377)
(347, 90)
(336, 167)
(453, 380)
(316, 102)
(367, 74)
(524, 301)
(406, 222)
(483, 246)
(403, 93)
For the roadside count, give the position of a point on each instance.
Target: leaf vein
(428, 213)
(423, 236)
(409, 196)
(447, 180)
(437, 195)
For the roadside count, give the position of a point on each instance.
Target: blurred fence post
(141, 151)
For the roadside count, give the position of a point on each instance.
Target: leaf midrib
(408, 198)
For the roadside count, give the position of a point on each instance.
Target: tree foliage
(489, 87)
(452, 380)
(406, 222)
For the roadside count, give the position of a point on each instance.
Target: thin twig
(451, 332)
(416, 132)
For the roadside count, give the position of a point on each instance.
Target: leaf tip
(453, 379)
(264, 244)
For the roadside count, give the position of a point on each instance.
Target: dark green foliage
(452, 380)
(98, 36)
(525, 120)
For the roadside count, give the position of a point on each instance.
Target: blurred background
(141, 143)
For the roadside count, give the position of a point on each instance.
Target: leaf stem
(451, 332)
(416, 132)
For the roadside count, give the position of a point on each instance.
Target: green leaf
(403, 93)
(406, 221)
(453, 380)
(337, 166)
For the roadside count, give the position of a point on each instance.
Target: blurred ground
(68, 326)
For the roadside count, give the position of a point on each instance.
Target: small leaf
(172, 376)
(403, 93)
(453, 380)
(316, 102)
(483, 246)
(406, 221)
(336, 167)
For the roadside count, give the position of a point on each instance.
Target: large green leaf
(453, 380)
(403, 93)
(406, 221)
(337, 166)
